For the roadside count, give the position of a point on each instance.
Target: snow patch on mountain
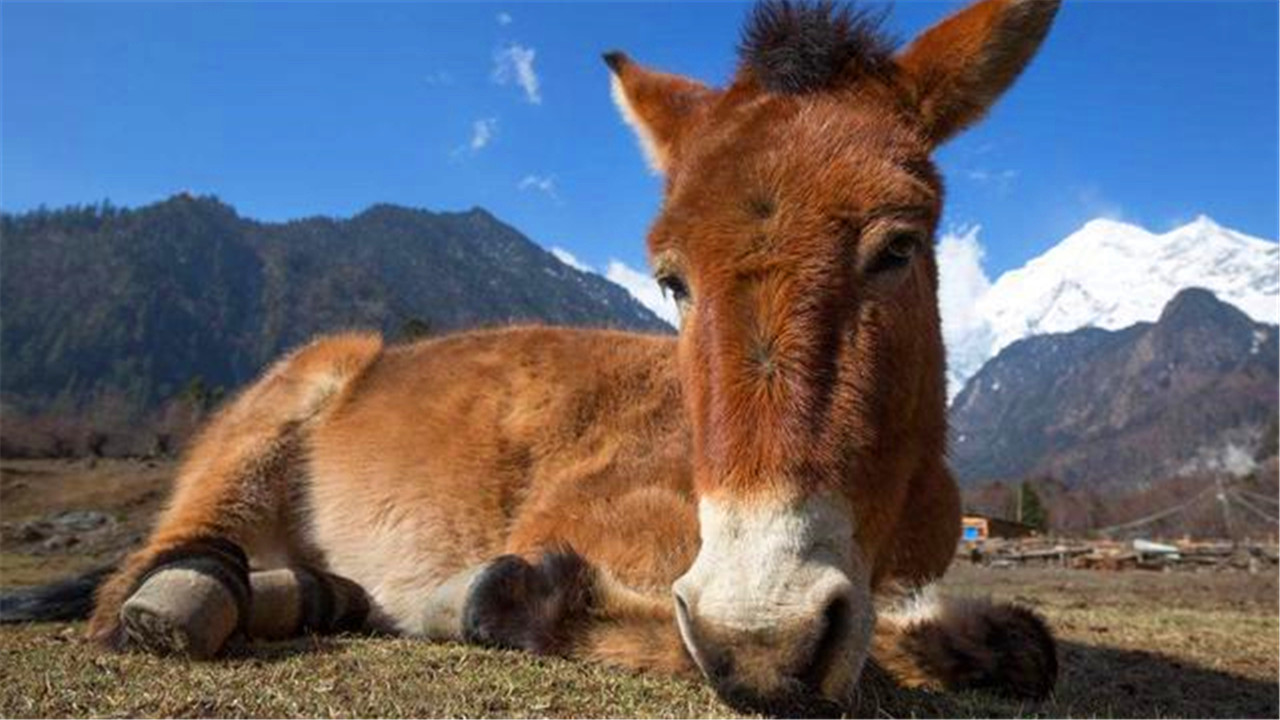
(1107, 274)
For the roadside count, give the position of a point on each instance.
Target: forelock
(801, 47)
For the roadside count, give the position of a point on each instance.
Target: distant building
(980, 527)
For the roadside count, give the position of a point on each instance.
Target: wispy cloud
(1096, 205)
(570, 259)
(438, 78)
(514, 64)
(639, 284)
(545, 184)
(482, 132)
(998, 180)
(503, 18)
(644, 288)
(962, 283)
(985, 175)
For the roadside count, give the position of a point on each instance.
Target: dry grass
(1133, 645)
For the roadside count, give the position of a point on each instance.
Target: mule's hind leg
(940, 643)
(292, 601)
(187, 590)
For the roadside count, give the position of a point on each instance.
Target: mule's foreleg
(927, 641)
(558, 604)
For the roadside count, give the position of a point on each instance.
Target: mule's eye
(897, 252)
(675, 285)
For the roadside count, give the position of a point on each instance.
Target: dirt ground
(1133, 644)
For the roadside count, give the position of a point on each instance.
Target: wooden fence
(1120, 555)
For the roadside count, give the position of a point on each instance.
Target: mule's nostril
(684, 620)
(682, 607)
(833, 633)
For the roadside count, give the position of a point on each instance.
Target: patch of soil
(62, 517)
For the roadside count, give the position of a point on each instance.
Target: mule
(761, 501)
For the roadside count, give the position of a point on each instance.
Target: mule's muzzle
(776, 609)
(792, 669)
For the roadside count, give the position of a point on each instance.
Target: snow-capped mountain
(1110, 275)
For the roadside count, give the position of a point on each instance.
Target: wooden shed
(981, 527)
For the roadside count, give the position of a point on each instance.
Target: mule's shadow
(270, 651)
(1094, 681)
(1099, 681)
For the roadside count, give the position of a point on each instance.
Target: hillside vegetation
(139, 304)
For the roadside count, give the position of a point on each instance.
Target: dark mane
(799, 47)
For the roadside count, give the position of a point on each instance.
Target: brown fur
(809, 361)
(971, 645)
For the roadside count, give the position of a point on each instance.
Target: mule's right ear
(656, 105)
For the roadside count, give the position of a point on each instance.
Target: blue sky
(1152, 112)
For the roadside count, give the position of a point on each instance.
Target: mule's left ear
(655, 104)
(959, 67)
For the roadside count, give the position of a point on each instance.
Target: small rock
(79, 520)
(60, 542)
(32, 531)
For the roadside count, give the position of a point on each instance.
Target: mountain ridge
(1111, 274)
(1193, 391)
(141, 301)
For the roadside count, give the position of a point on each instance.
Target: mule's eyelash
(675, 285)
(897, 251)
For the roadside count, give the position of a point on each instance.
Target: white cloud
(545, 184)
(644, 288)
(439, 77)
(997, 180)
(962, 282)
(570, 259)
(984, 175)
(514, 64)
(482, 132)
(640, 285)
(1096, 205)
(503, 19)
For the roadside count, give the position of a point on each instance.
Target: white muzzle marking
(764, 568)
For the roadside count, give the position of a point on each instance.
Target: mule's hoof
(519, 605)
(150, 629)
(191, 601)
(999, 648)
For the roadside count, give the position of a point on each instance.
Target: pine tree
(1033, 512)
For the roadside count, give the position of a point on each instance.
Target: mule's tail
(70, 599)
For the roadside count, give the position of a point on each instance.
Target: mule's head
(796, 235)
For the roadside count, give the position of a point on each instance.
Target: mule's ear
(959, 67)
(656, 105)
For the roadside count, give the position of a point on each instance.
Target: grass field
(1133, 644)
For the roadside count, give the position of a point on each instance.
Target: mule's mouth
(776, 610)
(802, 692)
(833, 635)
(799, 701)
